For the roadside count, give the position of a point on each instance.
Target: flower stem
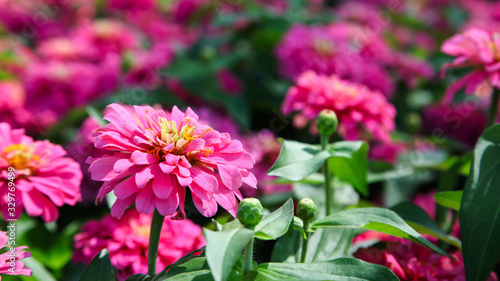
(247, 265)
(326, 172)
(154, 240)
(493, 108)
(305, 241)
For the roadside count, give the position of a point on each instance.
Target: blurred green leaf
(480, 209)
(99, 269)
(349, 163)
(450, 199)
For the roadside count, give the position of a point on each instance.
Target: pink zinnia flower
(44, 179)
(388, 152)
(127, 241)
(158, 155)
(6, 260)
(478, 49)
(358, 109)
(339, 49)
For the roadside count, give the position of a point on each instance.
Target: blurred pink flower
(145, 65)
(339, 49)
(6, 260)
(464, 122)
(229, 83)
(478, 49)
(131, 5)
(358, 109)
(60, 86)
(44, 179)
(127, 241)
(265, 148)
(13, 111)
(388, 152)
(157, 155)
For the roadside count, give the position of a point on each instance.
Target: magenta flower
(44, 179)
(158, 155)
(478, 49)
(329, 50)
(6, 266)
(127, 241)
(358, 109)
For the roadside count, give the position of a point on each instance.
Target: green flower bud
(306, 209)
(250, 212)
(327, 122)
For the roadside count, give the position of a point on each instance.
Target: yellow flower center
(324, 47)
(20, 156)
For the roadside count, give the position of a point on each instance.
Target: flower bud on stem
(250, 213)
(306, 211)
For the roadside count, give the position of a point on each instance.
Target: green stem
(154, 240)
(326, 172)
(247, 265)
(493, 108)
(305, 241)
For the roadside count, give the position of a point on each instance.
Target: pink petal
(227, 200)
(141, 158)
(167, 206)
(122, 164)
(206, 181)
(143, 177)
(102, 169)
(144, 202)
(120, 205)
(230, 176)
(166, 168)
(162, 185)
(126, 188)
(206, 208)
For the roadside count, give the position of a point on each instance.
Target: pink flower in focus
(478, 49)
(158, 155)
(358, 109)
(127, 241)
(44, 179)
(6, 262)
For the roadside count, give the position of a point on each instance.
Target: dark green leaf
(343, 269)
(349, 163)
(99, 269)
(275, 224)
(138, 277)
(377, 219)
(298, 160)
(417, 218)
(480, 209)
(223, 249)
(450, 199)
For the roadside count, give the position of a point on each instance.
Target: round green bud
(208, 53)
(250, 212)
(306, 209)
(327, 122)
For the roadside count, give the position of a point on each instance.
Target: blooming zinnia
(127, 242)
(6, 259)
(44, 179)
(479, 49)
(157, 155)
(358, 109)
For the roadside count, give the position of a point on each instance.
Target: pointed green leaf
(343, 269)
(417, 218)
(450, 199)
(223, 249)
(349, 163)
(298, 160)
(275, 224)
(480, 209)
(99, 269)
(377, 219)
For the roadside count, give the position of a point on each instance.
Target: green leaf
(99, 269)
(275, 224)
(139, 277)
(450, 199)
(298, 160)
(349, 163)
(223, 249)
(343, 269)
(39, 272)
(377, 219)
(480, 209)
(417, 218)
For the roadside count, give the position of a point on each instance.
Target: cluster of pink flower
(127, 241)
